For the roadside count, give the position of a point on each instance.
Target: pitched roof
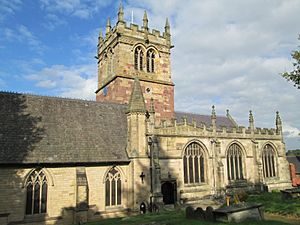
(39, 129)
(206, 119)
(137, 102)
(296, 161)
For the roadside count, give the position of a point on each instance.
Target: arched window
(150, 60)
(113, 188)
(138, 58)
(235, 163)
(36, 191)
(268, 159)
(193, 164)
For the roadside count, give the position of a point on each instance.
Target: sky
(226, 53)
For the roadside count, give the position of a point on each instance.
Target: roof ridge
(60, 98)
(192, 113)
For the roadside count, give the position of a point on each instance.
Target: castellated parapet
(130, 51)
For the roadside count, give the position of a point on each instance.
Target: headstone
(199, 214)
(189, 212)
(209, 216)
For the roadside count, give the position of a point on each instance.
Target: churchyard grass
(273, 203)
(171, 218)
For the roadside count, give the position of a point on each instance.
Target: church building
(66, 161)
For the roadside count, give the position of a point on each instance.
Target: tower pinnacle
(121, 13)
(108, 26)
(145, 21)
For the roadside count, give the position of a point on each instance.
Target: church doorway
(169, 192)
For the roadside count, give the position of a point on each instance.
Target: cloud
(291, 132)
(230, 53)
(53, 21)
(75, 82)
(76, 8)
(9, 7)
(23, 35)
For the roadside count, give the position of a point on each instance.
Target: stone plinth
(291, 193)
(239, 213)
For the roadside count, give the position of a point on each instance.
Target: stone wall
(119, 91)
(62, 195)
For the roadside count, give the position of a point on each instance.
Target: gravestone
(199, 214)
(209, 215)
(189, 212)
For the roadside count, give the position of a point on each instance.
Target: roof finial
(100, 37)
(251, 120)
(167, 26)
(108, 26)
(278, 124)
(213, 113)
(145, 21)
(278, 119)
(121, 13)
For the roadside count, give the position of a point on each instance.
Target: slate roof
(206, 119)
(39, 129)
(296, 161)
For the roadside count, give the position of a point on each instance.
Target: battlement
(184, 127)
(122, 31)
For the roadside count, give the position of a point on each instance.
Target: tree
(294, 76)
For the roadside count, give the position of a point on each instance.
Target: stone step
(169, 207)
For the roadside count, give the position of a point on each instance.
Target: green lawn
(273, 203)
(171, 218)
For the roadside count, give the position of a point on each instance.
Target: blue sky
(227, 53)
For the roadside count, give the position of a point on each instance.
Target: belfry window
(235, 163)
(150, 60)
(113, 188)
(138, 58)
(268, 159)
(36, 193)
(193, 164)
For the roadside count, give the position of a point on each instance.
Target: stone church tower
(125, 53)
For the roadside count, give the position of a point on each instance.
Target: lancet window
(268, 159)
(138, 58)
(150, 60)
(235, 162)
(193, 164)
(113, 188)
(36, 193)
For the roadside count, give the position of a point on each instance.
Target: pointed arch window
(150, 60)
(113, 188)
(235, 162)
(138, 58)
(268, 159)
(193, 164)
(36, 193)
